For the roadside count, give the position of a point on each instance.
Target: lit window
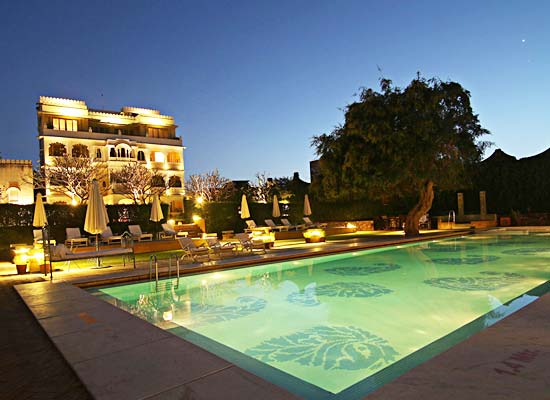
(173, 157)
(13, 195)
(65, 124)
(159, 157)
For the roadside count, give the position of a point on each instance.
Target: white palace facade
(68, 127)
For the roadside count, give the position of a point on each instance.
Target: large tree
(398, 143)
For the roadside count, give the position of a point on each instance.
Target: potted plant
(20, 258)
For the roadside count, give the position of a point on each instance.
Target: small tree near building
(71, 176)
(211, 186)
(138, 183)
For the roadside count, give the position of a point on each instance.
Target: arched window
(112, 153)
(13, 195)
(141, 156)
(158, 181)
(123, 151)
(174, 181)
(98, 153)
(173, 157)
(57, 150)
(80, 150)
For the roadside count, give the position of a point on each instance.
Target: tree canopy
(137, 182)
(398, 143)
(72, 176)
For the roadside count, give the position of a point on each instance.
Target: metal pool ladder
(153, 260)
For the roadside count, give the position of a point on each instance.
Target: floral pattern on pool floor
(212, 313)
(329, 347)
(449, 248)
(363, 269)
(489, 281)
(534, 251)
(308, 297)
(468, 260)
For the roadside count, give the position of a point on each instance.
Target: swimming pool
(339, 326)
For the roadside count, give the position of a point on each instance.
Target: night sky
(250, 82)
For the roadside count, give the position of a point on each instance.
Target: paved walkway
(30, 365)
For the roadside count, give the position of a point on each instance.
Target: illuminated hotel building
(69, 128)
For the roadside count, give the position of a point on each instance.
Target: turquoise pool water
(338, 327)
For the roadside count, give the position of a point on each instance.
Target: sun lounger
(62, 253)
(253, 227)
(297, 227)
(75, 238)
(37, 236)
(168, 232)
(192, 251)
(108, 237)
(310, 224)
(247, 243)
(137, 234)
(219, 249)
(278, 228)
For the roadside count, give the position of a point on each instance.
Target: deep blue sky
(250, 82)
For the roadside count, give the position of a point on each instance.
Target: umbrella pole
(97, 248)
(45, 241)
(46, 230)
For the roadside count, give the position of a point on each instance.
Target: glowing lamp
(167, 315)
(196, 218)
(314, 235)
(200, 200)
(349, 225)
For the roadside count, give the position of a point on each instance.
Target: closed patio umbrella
(96, 214)
(276, 211)
(40, 220)
(156, 210)
(245, 212)
(307, 206)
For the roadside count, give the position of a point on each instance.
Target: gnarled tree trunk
(422, 207)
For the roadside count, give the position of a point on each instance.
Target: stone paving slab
(237, 384)
(146, 370)
(74, 322)
(106, 338)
